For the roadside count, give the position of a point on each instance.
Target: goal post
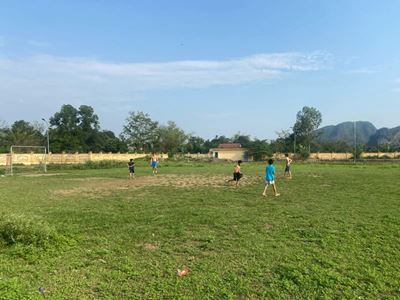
(26, 159)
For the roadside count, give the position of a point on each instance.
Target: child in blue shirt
(270, 178)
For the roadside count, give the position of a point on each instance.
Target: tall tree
(215, 142)
(24, 133)
(259, 149)
(106, 141)
(66, 134)
(89, 127)
(140, 131)
(172, 139)
(307, 122)
(195, 144)
(244, 140)
(3, 136)
(283, 143)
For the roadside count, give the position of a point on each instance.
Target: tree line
(78, 130)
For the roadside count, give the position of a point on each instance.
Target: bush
(304, 152)
(103, 164)
(357, 153)
(18, 230)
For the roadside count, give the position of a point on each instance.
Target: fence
(80, 158)
(69, 158)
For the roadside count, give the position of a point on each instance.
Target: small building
(230, 151)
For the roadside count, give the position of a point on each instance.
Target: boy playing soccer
(237, 173)
(270, 178)
(287, 167)
(131, 168)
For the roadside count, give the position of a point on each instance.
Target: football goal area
(26, 159)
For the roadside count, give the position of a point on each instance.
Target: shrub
(18, 230)
(103, 164)
(304, 152)
(357, 153)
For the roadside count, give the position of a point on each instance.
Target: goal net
(26, 159)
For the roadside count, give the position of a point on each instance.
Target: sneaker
(277, 195)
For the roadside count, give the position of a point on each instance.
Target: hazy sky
(214, 67)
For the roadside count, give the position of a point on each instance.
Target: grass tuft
(21, 231)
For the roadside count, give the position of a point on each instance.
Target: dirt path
(92, 186)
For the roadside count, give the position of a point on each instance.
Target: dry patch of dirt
(151, 247)
(94, 186)
(45, 174)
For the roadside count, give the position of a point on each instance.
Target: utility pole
(355, 141)
(48, 137)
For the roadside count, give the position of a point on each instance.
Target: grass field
(93, 234)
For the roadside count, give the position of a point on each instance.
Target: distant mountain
(345, 132)
(385, 136)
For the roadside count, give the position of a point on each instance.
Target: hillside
(385, 136)
(345, 132)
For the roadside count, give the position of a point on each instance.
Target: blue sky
(214, 67)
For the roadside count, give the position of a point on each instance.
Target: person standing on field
(270, 178)
(154, 163)
(289, 161)
(131, 168)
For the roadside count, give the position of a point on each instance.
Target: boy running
(270, 178)
(237, 173)
(287, 167)
(131, 168)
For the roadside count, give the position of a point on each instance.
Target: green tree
(244, 140)
(3, 137)
(106, 141)
(215, 142)
(89, 128)
(65, 133)
(140, 131)
(24, 133)
(195, 144)
(283, 143)
(260, 149)
(172, 139)
(307, 122)
(75, 129)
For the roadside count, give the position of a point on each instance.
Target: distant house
(230, 151)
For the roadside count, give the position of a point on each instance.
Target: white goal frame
(10, 160)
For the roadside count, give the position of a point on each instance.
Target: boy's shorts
(131, 170)
(154, 164)
(287, 169)
(237, 176)
(267, 182)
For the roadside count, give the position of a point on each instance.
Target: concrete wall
(331, 156)
(381, 154)
(79, 158)
(69, 158)
(230, 154)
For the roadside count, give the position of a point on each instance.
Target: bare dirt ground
(45, 175)
(92, 186)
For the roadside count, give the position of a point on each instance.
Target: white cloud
(85, 79)
(362, 71)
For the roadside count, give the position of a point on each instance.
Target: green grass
(333, 233)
